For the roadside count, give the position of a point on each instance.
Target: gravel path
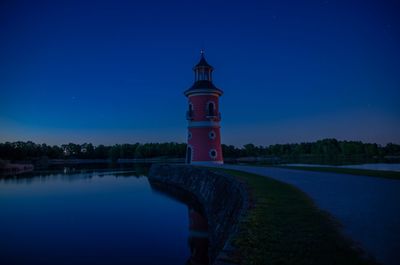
(367, 207)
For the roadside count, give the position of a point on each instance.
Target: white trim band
(220, 162)
(204, 94)
(203, 124)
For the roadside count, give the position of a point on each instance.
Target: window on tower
(213, 153)
(189, 113)
(212, 135)
(203, 74)
(210, 109)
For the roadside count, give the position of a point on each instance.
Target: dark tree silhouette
(325, 150)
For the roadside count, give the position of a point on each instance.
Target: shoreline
(15, 169)
(284, 219)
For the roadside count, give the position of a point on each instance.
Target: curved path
(367, 207)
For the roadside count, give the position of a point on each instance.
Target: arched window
(189, 114)
(211, 109)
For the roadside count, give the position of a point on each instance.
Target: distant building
(66, 151)
(204, 138)
(83, 148)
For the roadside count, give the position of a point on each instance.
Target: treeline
(327, 151)
(29, 150)
(327, 148)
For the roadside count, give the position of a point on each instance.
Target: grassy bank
(285, 227)
(351, 171)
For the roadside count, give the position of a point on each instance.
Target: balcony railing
(214, 116)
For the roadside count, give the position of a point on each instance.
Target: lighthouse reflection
(198, 226)
(198, 237)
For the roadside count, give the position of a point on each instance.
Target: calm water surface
(91, 218)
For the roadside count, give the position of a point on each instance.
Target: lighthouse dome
(203, 78)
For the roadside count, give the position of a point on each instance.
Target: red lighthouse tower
(204, 138)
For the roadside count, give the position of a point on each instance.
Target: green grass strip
(285, 227)
(351, 171)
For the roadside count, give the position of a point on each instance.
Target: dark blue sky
(115, 71)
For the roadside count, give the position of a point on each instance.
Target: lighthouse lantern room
(204, 138)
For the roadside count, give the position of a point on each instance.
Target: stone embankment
(223, 198)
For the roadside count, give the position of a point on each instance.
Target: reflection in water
(198, 238)
(198, 226)
(78, 172)
(55, 179)
(91, 216)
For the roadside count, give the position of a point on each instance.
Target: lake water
(90, 217)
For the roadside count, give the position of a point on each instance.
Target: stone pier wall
(224, 200)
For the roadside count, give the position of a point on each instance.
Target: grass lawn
(352, 171)
(285, 227)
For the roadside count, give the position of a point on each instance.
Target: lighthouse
(204, 137)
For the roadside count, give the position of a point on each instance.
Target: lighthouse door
(189, 155)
